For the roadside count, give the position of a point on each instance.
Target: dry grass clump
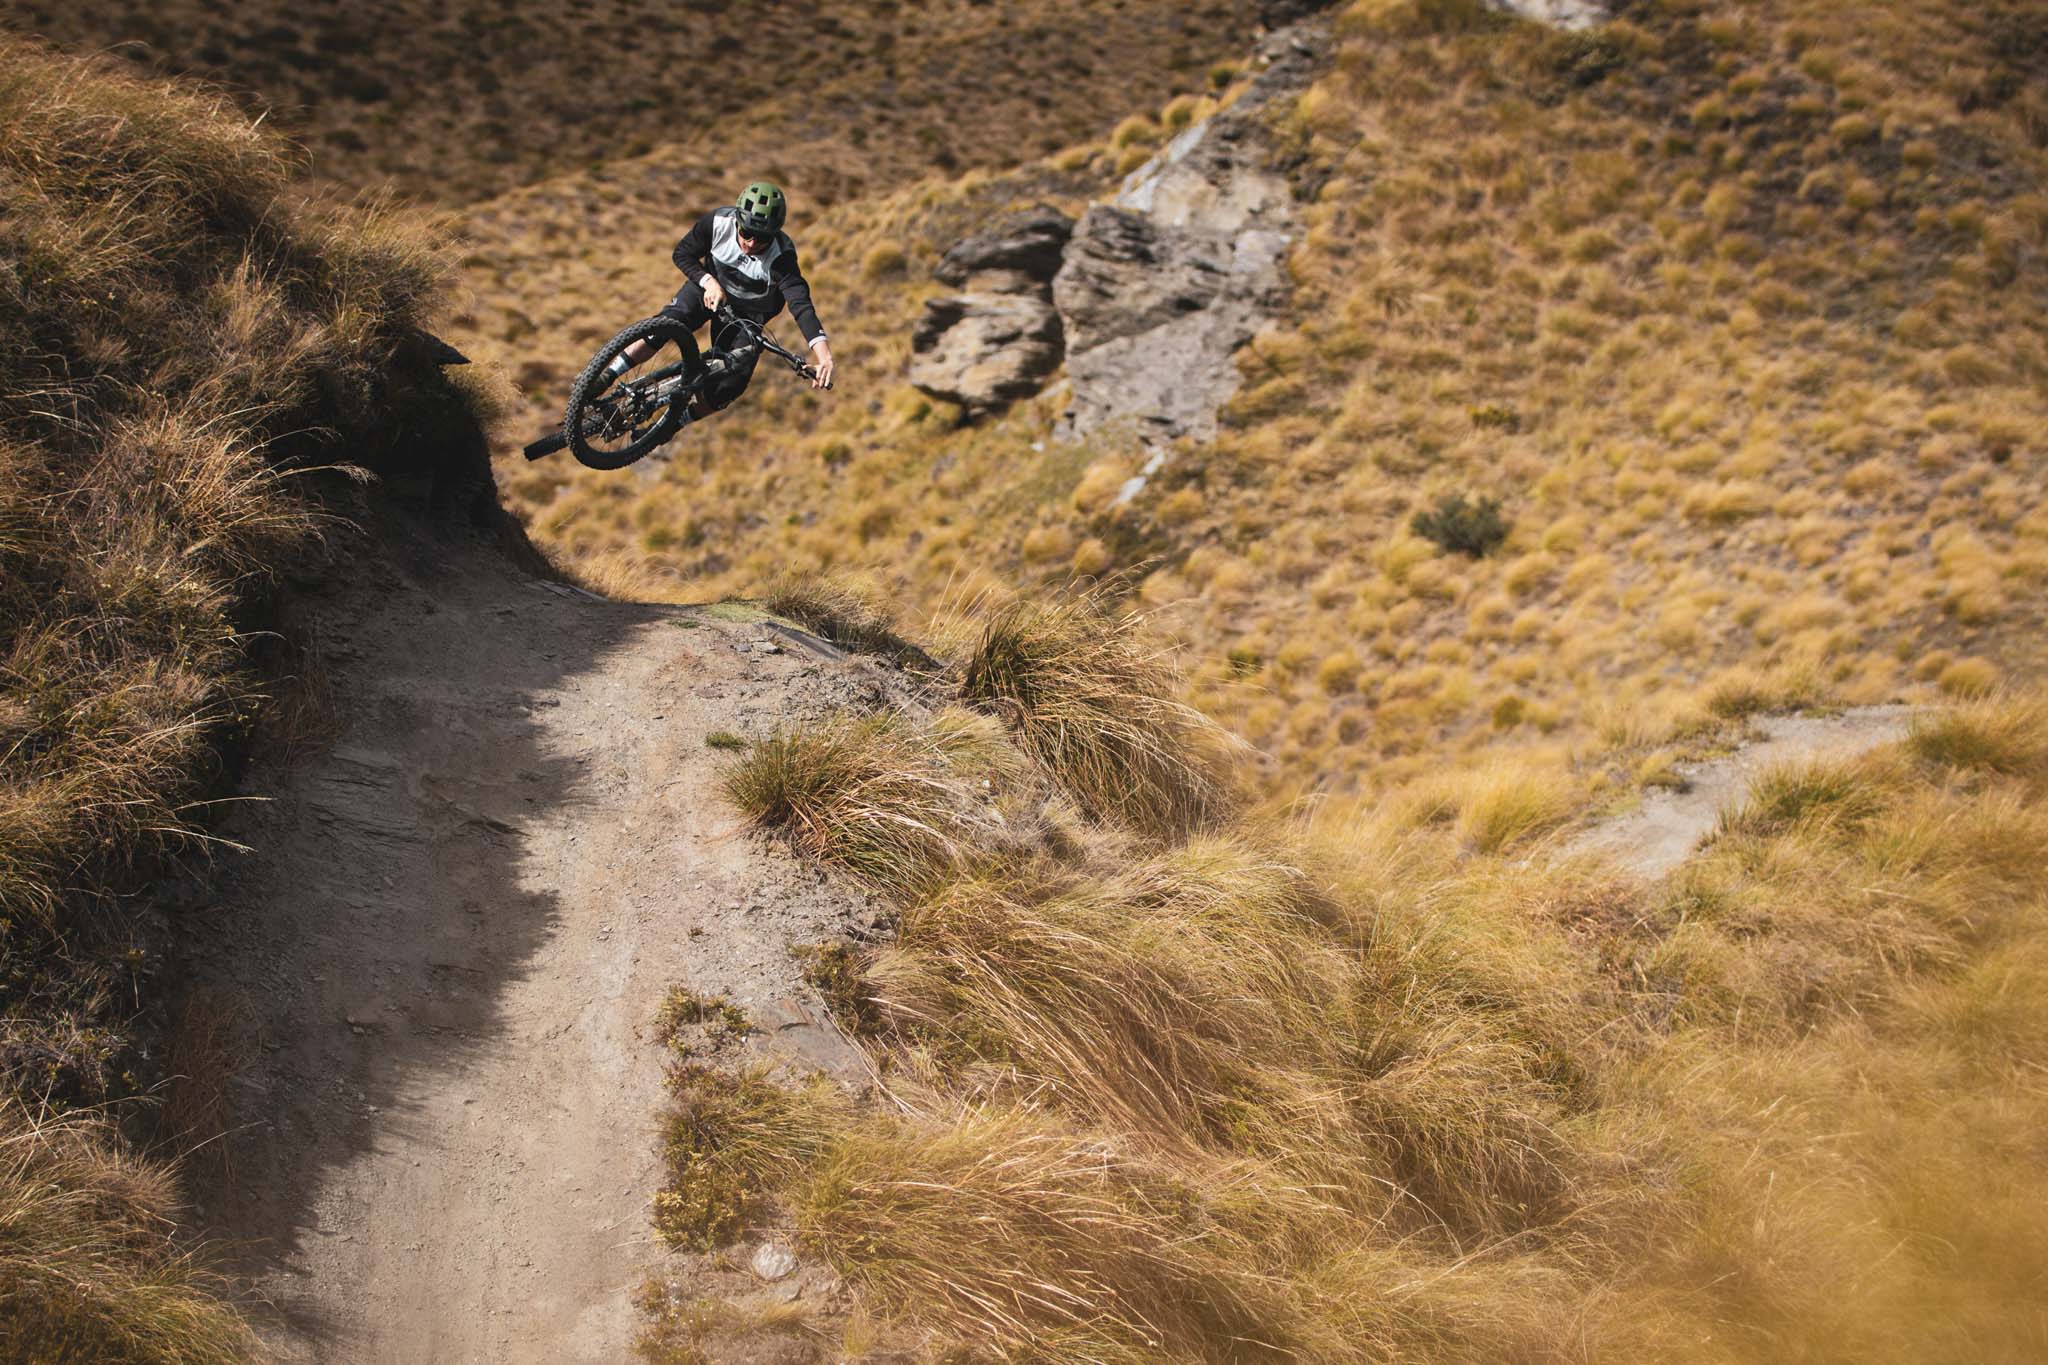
(1510, 802)
(868, 794)
(211, 1042)
(179, 338)
(845, 613)
(1015, 1238)
(1148, 1000)
(88, 1266)
(1404, 1099)
(1836, 880)
(1026, 1240)
(1094, 701)
(2008, 738)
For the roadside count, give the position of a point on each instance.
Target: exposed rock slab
(984, 349)
(998, 341)
(1025, 245)
(1566, 14)
(1160, 288)
(1153, 316)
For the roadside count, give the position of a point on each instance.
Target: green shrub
(724, 1138)
(1475, 529)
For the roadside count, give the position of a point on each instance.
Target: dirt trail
(455, 933)
(1658, 835)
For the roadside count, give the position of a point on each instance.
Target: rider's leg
(740, 354)
(686, 307)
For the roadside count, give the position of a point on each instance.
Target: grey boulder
(982, 350)
(996, 341)
(1025, 248)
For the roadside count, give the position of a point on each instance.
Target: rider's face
(751, 244)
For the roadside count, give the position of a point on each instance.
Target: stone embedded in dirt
(785, 1014)
(772, 1262)
(998, 340)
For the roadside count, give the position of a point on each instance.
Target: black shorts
(687, 307)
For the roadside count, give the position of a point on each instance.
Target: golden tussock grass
(868, 794)
(89, 1269)
(1396, 1096)
(846, 613)
(2006, 738)
(183, 345)
(1095, 703)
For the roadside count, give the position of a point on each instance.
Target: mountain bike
(609, 427)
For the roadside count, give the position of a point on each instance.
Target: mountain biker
(738, 260)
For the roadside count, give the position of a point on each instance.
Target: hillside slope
(1738, 315)
(197, 373)
(459, 101)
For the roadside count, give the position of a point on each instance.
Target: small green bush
(1498, 416)
(1475, 529)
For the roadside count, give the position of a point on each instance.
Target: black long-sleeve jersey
(758, 286)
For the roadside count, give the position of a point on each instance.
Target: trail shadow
(391, 896)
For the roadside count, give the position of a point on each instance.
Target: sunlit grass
(1401, 1084)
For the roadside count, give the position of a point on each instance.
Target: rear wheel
(610, 427)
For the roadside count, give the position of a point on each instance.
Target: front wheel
(609, 428)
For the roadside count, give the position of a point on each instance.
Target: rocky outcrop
(1159, 288)
(1570, 14)
(999, 338)
(1148, 298)
(1021, 251)
(1153, 315)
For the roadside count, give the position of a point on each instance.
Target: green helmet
(762, 209)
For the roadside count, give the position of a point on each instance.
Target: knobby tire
(581, 421)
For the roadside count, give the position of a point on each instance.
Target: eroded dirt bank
(457, 927)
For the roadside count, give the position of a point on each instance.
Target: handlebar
(759, 333)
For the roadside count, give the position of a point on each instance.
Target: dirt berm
(454, 932)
